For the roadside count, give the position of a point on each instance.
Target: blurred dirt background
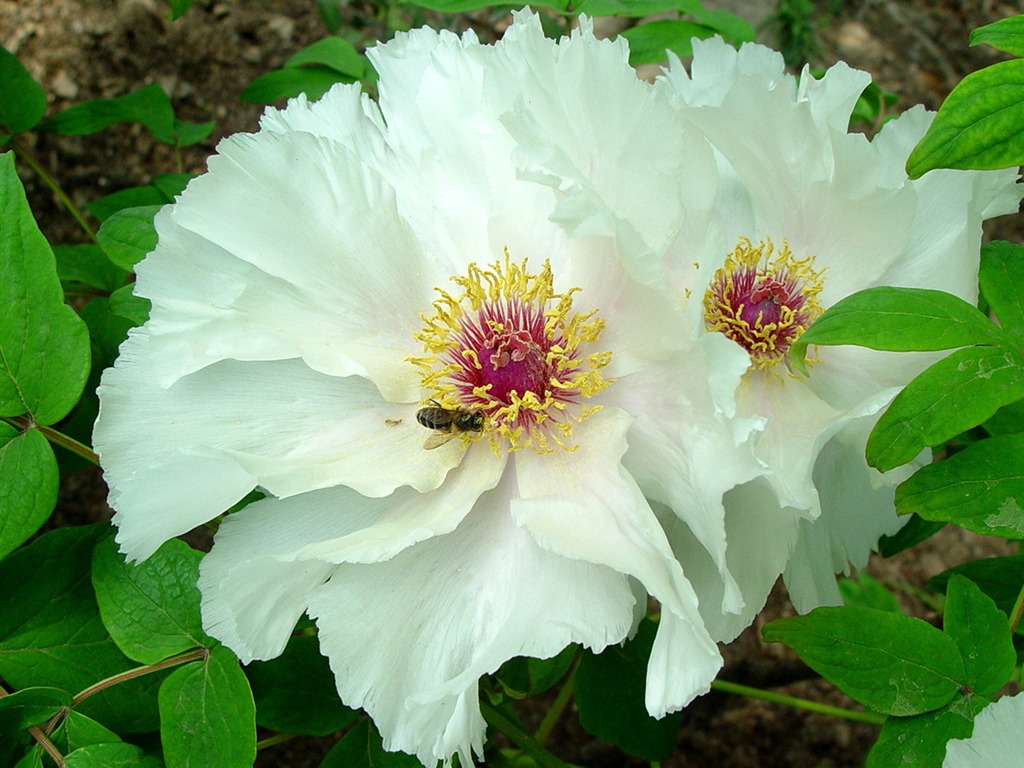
(84, 49)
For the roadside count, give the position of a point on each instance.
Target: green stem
(554, 714)
(42, 739)
(196, 654)
(518, 736)
(57, 438)
(1017, 612)
(792, 701)
(277, 738)
(25, 155)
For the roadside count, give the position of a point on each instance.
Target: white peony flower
(368, 314)
(806, 214)
(997, 740)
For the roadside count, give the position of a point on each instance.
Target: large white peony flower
(806, 214)
(368, 314)
(997, 740)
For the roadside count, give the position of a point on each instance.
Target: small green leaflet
(921, 741)
(888, 662)
(362, 748)
(22, 99)
(980, 488)
(207, 714)
(982, 634)
(1001, 578)
(648, 42)
(29, 483)
(128, 235)
(31, 706)
(1002, 283)
(978, 125)
(1004, 35)
(44, 346)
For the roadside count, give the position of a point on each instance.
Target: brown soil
(83, 49)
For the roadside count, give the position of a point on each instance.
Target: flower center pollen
(763, 299)
(510, 347)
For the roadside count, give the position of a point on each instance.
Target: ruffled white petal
(997, 740)
(278, 425)
(408, 638)
(589, 491)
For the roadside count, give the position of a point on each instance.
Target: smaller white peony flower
(806, 214)
(997, 740)
(368, 314)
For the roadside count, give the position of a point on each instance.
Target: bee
(447, 423)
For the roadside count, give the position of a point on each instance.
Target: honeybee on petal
(447, 423)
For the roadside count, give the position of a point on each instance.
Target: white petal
(214, 435)
(409, 638)
(589, 491)
(291, 245)
(856, 510)
(997, 740)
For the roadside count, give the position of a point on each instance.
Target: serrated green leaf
(295, 692)
(313, 81)
(978, 125)
(22, 99)
(865, 592)
(44, 346)
(921, 741)
(150, 609)
(911, 534)
(1001, 578)
(128, 235)
(648, 42)
(51, 633)
(957, 393)
(1002, 283)
(610, 697)
(362, 748)
(980, 488)
(32, 706)
(982, 634)
(333, 52)
(888, 662)
(898, 320)
(207, 714)
(1003, 35)
(28, 485)
(89, 265)
(125, 303)
(110, 755)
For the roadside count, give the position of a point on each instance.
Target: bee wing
(437, 439)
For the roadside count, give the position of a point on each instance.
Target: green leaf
(172, 184)
(313, 81)
(148, 106)
(128, 235)
(1002, 283)
(44, 346)
(982, 634)
(333, 52)
(89, 265)
(888, 662)
(911, 534)
(921, 741)
(178, 7)
(151, 609)
(107, 331)
(207, 715)
(980, 488)
(634, 8)
(648, 42)
(523, 677)
(362, 748)
(865, 592)
(31, 706)
(610, 697)
(125, 303)
(953, 395)
(295, 692)
(133, 197)
(110, 755)
(1001, 578)
(330, 15)
(978, 125)
(734, 29)
(51, 633)
(1007, 420)
(28, 485)
(81, 731)
(898, 320)
(1004, 35)
(22, 99)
